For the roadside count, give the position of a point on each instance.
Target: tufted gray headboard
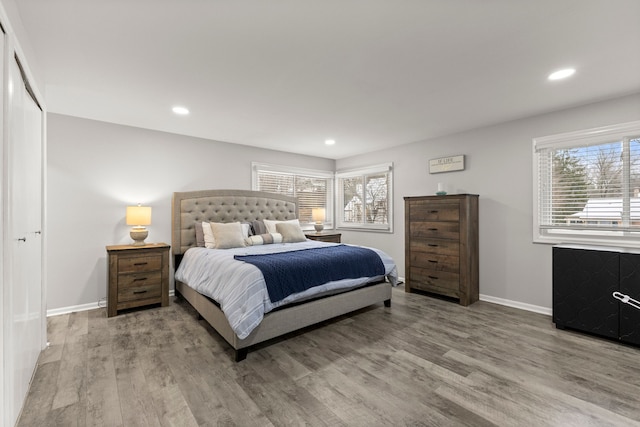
(190, 207)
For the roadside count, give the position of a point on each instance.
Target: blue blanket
(291, 272)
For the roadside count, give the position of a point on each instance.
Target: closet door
(24, 313)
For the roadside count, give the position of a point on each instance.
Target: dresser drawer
(434, 211)
(440, 282)
(435, 246)
(132, 264)
(437, 229)
(436, 262)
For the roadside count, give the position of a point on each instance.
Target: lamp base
(318, 226)
(138, 234)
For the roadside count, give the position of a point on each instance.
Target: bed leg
(387, 303)
(241, 354)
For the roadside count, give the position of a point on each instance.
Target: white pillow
(209, 240)
(263, 239)
(227, 235)
(245, 229)
(270, 225)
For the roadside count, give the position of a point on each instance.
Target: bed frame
(242, 205)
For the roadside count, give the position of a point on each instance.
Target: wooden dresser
(138, 276)
(441, 246)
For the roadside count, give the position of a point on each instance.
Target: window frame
(542, 233)
(293, 171)
(364, 172)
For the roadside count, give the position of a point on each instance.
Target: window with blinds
(312, 188)
(364, 198)
(588, 185)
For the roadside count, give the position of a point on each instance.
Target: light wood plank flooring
(422, 362)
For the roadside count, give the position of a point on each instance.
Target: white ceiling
(288, 74)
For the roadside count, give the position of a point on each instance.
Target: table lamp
(318, 216)
(138, 216)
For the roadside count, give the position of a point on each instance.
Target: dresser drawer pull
(432, 229)
(433, 211)
(140, 292)
(433, 245)
(433, 277)
(139, 279)
(433, 261)
(141, 263)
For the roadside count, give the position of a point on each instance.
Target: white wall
(498, 168)
(96, 169)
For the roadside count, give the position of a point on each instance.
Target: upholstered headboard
(223, 206)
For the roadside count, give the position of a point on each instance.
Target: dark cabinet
(584, 281)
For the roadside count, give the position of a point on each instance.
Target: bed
(227, 206)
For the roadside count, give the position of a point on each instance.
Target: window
(364, 198)
(313, 188)
(588, 186)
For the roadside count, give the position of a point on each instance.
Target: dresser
(441, 246)
(138, 276)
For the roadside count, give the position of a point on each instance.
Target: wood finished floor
(422, 362)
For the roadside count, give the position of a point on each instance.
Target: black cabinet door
(583, 285)
(630, 285)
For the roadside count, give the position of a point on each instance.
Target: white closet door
(24, 216)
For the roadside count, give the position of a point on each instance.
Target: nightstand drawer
(137, 293)
(138, 279)
(140, 263)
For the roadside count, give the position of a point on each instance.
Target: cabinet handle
(433, 277)
(433, 261)
(433, 212)
(22, 239)
(433, 245)
(139, 279)
(140, 263)
(432, 229)
(139, 292)
(627, 300)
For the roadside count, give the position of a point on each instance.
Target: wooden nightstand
(325, 236)
(138, 276)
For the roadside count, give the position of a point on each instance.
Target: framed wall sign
(446, 164)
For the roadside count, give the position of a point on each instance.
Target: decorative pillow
(209, 240)
(246, 229)
(227, 235)
(258, 227)
(291, 232)
(199, 235)
(271, 224)
(263, 239)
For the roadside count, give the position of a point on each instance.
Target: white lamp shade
(138, 215)
(318, 214)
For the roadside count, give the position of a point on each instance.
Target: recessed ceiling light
(330, 142)
(561, 74)
(180, 111)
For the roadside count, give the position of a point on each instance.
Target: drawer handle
(139, 292)
(433, 277)
(433, 261)
(433, 245)
(139, 279)
(433, 212)
(141, 263)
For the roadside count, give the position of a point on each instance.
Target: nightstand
(138, 276)
(325, 236)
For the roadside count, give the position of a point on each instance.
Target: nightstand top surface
(130, 247)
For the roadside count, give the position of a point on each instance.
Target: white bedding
(240, 288)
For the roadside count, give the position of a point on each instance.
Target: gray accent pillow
(258, 227)
(199, 235)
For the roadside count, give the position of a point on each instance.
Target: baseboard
(84, 307)
(517, 304)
